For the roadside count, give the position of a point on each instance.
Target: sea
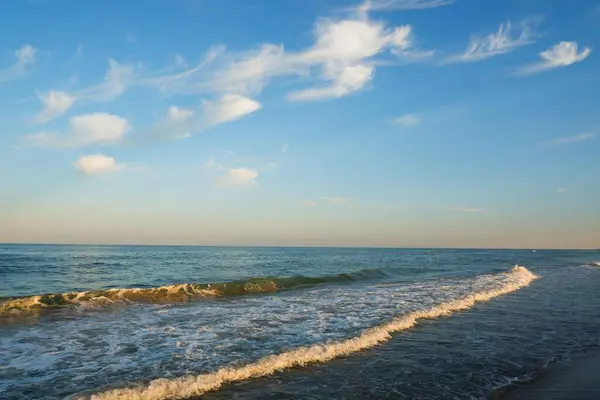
(165, 322)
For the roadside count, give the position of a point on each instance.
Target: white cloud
(85, 130)
(505, 40)
(464, 209)
(342, 52)
(342, 57)
(228, 108)
(408, 120)
(94, 164)
(98, 128)
(350, 79)
(381, 5)
(25, 57)
(55, 104)
(570, 139)
(179, 114)
(241, 176)
(559, 55)
(335, 200)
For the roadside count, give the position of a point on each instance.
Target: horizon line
(295, 246)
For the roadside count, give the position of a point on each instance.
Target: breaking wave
(503, 283)
(593, 264)
(175, 293)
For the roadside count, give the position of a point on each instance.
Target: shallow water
(77, 348)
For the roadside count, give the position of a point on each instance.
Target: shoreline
(578, 378)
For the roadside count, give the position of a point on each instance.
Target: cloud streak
(560, 55)
(385, 5)
(570, 139)
(506, 39)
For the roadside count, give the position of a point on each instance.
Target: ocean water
(137, 322)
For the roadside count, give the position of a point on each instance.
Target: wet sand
(577, 379)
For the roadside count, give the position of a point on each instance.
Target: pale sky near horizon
(400, 123)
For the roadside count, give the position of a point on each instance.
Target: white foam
(594, 264)
(177, 388)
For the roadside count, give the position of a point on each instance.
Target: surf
(183, 387)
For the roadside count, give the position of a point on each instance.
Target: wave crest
(593, 264)
(176, 293)
(513, 280)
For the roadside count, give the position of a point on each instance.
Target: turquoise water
(121, 316)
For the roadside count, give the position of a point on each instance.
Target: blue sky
(410, 123)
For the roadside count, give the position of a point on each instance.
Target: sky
(392, 123)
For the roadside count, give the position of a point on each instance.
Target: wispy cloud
(178, 123)
(570, 139)
(342, 60)
(179, 61)
(95, 164)
(560, 55)
(309, 203)
(85, 130)
(505, 40)
(408, 120)
(116, 81)
(561, 190)
(227, 108)
(55, 104)
(464, 209)
(25, 57)
(212, 164)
